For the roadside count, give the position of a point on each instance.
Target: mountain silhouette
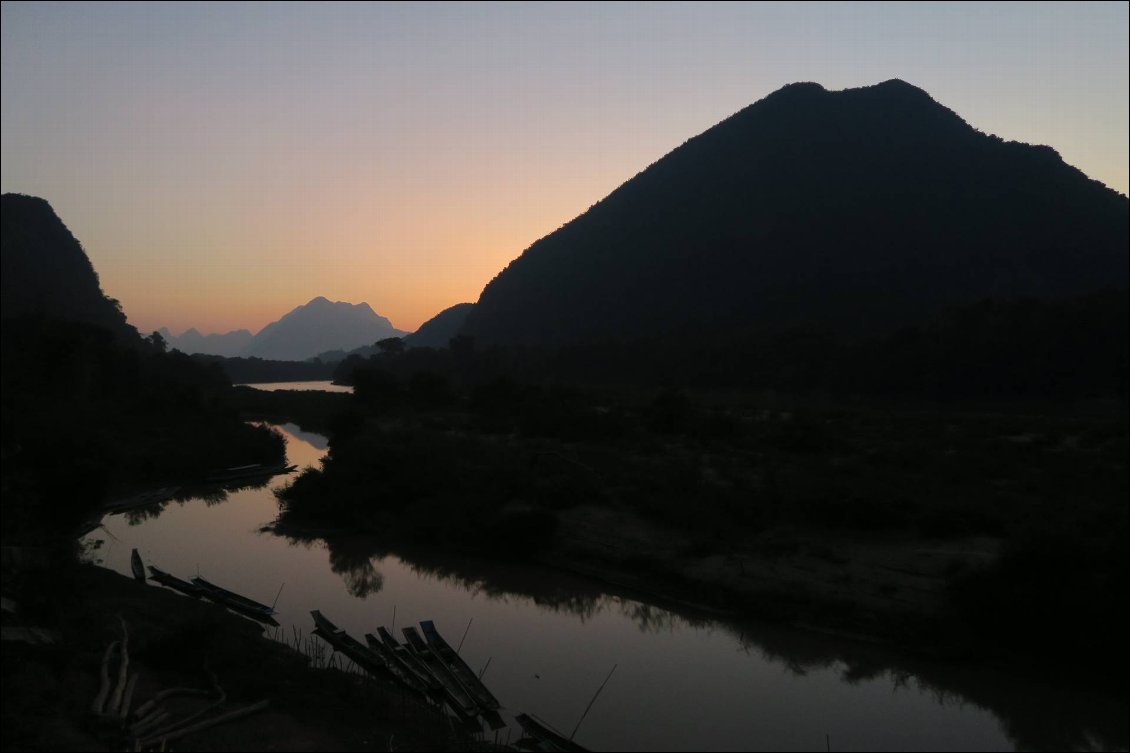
(437, 331)
(318, 326)
(90, 407)
(853, 212)
(191, 341)
(46, 274)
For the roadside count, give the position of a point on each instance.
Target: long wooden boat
(233, 601)
(324, 626)
(136, 566)
(406, 677)
(545, 738)
(250, 471)
(175, 583)
(457, 696)
(350, 646)
(143, 499)
(459, 667)
(406, 661)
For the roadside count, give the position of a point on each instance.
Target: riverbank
(872, 587)
(940, 531)
(175, 641)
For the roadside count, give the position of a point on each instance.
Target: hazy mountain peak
(318, 326)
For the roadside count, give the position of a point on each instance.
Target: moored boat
(419, 678)
(407, 659)
(545, 738)
(137, 567)
(250, 471)
(175, 583)
(459, 667)
(144, 499)
(342, 641)
(233, 601)
(458, 697)
(403, 674)
(322, 625)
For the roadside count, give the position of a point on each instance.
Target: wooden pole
(246, 711)
(276, 601)
(594, 695)
(104, 684)
(123, 711)
(123, 672)
(467, 630)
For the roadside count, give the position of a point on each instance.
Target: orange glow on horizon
(223, 164)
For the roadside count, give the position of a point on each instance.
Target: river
(681, 681)
(322, 385)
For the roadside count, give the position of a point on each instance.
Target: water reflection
(1034, 714)
(353, 561)
(212, 493)
(686, 680)
(318, 441)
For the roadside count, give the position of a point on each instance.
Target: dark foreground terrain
(175, 642)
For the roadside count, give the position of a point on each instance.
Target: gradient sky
(224, 163)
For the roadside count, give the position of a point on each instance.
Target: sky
(224, 163)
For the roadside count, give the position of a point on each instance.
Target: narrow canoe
(233, 601)
(137, 567)
(350, 646)
(457, 696)
(405, 659)
(546, 738)
(250, 471)
(175, 583)
(323, 625)
(406, 677)
(459, 667)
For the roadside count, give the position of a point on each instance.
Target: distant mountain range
(852, 212)
(318, 326)
(191, 341)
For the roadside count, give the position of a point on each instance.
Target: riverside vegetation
(987, 528)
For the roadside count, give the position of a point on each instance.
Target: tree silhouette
(390, 346)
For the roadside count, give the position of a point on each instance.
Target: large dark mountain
(438, 331)
(46, 274)
(90, 408)
(191, 341)
(852, 212)
(318, 326)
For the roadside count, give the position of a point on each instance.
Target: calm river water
(681, 682)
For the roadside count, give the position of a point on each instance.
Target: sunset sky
(224, 163)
